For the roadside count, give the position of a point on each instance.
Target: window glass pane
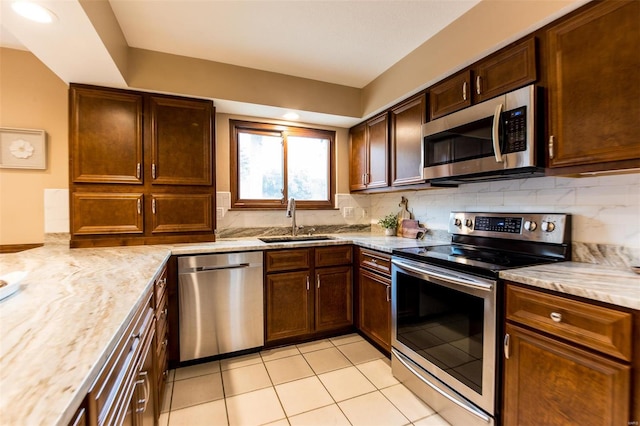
(261, 159)
(308, 168)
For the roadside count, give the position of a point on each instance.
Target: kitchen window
(271, 163)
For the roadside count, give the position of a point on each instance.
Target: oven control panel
(542, 227)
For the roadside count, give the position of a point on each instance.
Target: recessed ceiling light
(33, 12)
(291, 116)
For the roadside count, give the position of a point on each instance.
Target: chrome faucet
(291, 212)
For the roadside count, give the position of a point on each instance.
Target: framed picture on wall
(22, 148)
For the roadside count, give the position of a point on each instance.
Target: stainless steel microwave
(495, 139)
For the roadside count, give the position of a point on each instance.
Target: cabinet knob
(556, 316)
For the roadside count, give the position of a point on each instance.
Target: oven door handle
(467, 407)
(451, 279)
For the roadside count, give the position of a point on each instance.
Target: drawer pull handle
(556, 317)
(165, 342)
(506, 345)
(374, 261)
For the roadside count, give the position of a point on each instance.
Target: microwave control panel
(515, 130)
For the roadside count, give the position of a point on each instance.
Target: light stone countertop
(607, 284)
(57, 330)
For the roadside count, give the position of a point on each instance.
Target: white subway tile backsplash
(556, 197)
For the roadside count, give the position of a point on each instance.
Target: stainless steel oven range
(446, 307)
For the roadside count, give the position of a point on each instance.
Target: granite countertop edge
(65, 285)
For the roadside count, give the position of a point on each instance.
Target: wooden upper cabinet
(181, 213)
(358, 157)
(594, 95)
(507, 70)
(451, 95)
(106, 213)
(406, 141)
(181, 141)
(105, 135)
(377, 175)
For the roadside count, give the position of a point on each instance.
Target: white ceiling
(348, 42)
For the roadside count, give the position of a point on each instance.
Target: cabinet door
(95, 213)
(181, 213)
(289, 305)
(105, 136)
(378, 143)
(181, 141)
(406, 141)
(450, 95)
(358, 158)
(547, 382)
(510, 69)
(374, 301)
(593, 86)
(333, 302)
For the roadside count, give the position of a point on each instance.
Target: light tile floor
(338, 381)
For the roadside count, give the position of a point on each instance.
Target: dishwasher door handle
(218, 268)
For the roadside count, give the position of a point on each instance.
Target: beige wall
(223, 172)
(485, 28)
(32, 97)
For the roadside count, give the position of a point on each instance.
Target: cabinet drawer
(333, 256)
(161, 287)
(287, 260)
(599, 328)
(375, 261)
(114, 384)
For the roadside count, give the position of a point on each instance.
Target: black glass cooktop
(473, 259)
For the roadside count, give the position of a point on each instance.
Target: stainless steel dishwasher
(221, 304)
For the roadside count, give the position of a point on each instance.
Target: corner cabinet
(594, 95)
(141, 168)
(369, 154)
(308, 293)
(566, 361)
(406, 141)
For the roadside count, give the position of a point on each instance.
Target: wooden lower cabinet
(333, 306)
(548, 382)
(288, 312)
(374, 298)
(303, 301)
(567, 361)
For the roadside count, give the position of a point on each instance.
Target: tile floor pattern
(338, 381)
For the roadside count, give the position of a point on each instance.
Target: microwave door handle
(496, 133)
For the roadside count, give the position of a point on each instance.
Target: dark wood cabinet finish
(358, 154)
(333, 256)
(506, 70)
(369, 154)
(594, 95)
(452, 94)
(374, 297)
(552, 383)
(378, 140)
(181, 134)
(141, 168)
(95, 213)
(406, 141)
(105, 136)
(333, 305)
(308, 293)
(181, 213)
(289, 309)
(566, 361)
(161, 296)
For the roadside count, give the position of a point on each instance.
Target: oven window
(466, 142)
(442, 325)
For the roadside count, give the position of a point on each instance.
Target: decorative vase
(390, 232)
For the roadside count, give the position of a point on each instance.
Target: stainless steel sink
(290, 239)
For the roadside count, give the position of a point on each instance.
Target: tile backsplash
(605, 209)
